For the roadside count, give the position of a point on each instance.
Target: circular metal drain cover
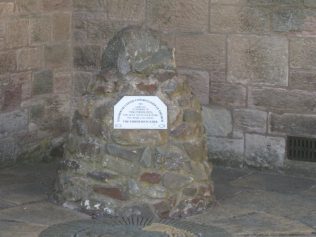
(135, 226)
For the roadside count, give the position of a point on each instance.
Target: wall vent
(301, 149)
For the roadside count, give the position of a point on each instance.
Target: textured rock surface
(113, 171)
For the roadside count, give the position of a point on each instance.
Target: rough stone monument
(137, 143)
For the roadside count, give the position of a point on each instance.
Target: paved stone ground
(249, 203)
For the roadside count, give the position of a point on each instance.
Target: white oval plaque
(140, 112)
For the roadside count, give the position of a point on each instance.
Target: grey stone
(8, 62)
(146, 159)
(264, 60)
(13, 122)
(263, 151)
(130, 154)
(275, 183)
(310, 3)
(136, 50)
(175, 181)
(43, 82)
(286, 19)
(293, 124)
(302, 53)
(217, 121)
(282, 100)
(303, 80)
(246, 120)
(121, 166)
(226, 150)
(8, 152)
(10, 228)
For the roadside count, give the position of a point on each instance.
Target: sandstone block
(228, 94)
(112, 192)
(25, 79)
(263, 151)
(239, 19)
(226, 150)
(28, 6)
(302, 53)
(87, 57)
(122, 10)
(2, 39)
(303, 80)
(293, 124)
(61, 26)
(192, 15)
(57, 56)
(282, 100)
(310, 3)
(89, 5)
(8, 62)
(217, 121)
(91, 26)
(17, 33)
(258, 60)
(186, 16)
(201, 51)
(43, 82)
(62, 82)
(199, 81)
(13, 122)
(41, 28)
(244, 2)
(6, 8)
(51, 5)
(12, 96)
(248, 120)
(30, 58)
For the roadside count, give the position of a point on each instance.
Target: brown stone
(283, 100)
(302, 53)
(151, 88)
(152, 178)
(25, 79)
(201, 51)
(131, 11)
(58, 56)
(239, 19)
(228, 94)
(17, 33)
(28, 6)
(50, 5)
(61, 26)
(303, 80)
(62, 82)
(184, 15)
(112, 192)
(87, 57)
(199, 81)
(89, 5)
(31, 58)
(6, 8)
(41, 27)
(258, 60)
(8, 62)
(12, 97)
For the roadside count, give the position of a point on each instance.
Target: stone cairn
(136, 172)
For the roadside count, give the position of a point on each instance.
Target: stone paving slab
(19, 194)
(20, 229)
(275, 183)
(292, 207)
(43, 213)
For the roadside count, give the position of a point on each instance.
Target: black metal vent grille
(301, 149)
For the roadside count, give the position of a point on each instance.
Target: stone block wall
(251, 63)
(35, 77)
